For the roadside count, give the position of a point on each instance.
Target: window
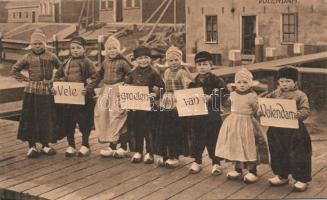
(211, 29)
(26, 14)
(13, 15)
(132, 3)
(106, 4)
(110, 5)
(103, 4)
(129, 3)
(216, 58)
(20, 15)
(137, 3)
(289, 27)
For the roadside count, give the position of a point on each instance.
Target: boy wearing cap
(78, 68)
(290, 149)
(205, 129)
(141, 124)
(38, 119)
(109, 118)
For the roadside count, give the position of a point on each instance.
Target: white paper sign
(134, 97)
(278, 113)
(191, 102)
(69, 93)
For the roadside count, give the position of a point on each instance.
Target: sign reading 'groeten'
(134, 97)
(278, 113)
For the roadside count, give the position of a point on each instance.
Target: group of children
(237, 139)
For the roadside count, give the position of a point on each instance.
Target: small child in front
(237, 136)
(290, 149)
(205, 128)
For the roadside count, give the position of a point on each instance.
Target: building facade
(222, 25)
(22, 12)
(138, 11)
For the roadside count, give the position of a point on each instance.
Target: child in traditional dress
(236, 140)
(38, 119)
(205, 128)
(78, 68)
(172, 135)
(109, 118)
(141, 123)
(290, 149)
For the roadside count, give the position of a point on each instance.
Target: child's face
(112, 51)
(173, 61)
(242, 85)
(143, 61)
(286, 84)
(76, 50)
(37, 46)
(203, 67)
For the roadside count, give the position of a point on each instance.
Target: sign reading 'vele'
(69, 93)
(191, 102)
(134, 97)
(278, 113)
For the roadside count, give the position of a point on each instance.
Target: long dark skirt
(204, 133)
(38, 119)
(172, 140)
(290, 151)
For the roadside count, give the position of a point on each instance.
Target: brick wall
(312, 29)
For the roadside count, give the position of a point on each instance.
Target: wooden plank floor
(94, 177)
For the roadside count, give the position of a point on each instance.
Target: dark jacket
(214, 86)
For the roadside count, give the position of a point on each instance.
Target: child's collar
(245, 92)
(41, 52)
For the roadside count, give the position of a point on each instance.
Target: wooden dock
(94, 177)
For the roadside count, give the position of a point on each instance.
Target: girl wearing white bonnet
(109, 118)
(236, 140)
(172, 136)
(38, 119)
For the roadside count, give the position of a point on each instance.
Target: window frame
(106, 3)
(132, 4)
(212, 31)
(288, 24)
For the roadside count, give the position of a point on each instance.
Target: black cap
(202, 56)
(141, 51)
(79, 40)
(289, 72)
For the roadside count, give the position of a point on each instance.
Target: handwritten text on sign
(191, 102)
(134, 97)
(278, 113)
(69, 93)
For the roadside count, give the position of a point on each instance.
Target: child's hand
(53, 91)
(152, 95)
(260, 113)
(231, 87)
(207, 97)
(297, 115)
(84, 92)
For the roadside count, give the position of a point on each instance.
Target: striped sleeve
(18, 67)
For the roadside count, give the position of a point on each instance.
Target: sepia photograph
(163, 99)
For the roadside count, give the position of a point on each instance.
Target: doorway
(248, 34)
(119, 10)
(33, 17)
